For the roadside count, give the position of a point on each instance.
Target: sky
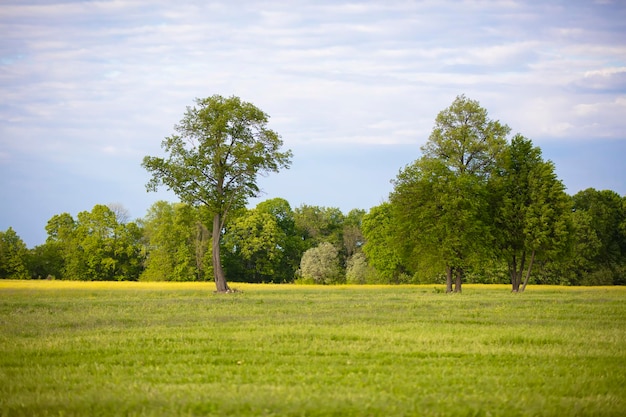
(88, 88)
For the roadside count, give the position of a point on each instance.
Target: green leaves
(222, 146)
(465, 139)
(531, 209)
(95, 247)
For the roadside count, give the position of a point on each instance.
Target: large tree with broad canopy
(221, 147)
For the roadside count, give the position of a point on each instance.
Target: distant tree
(262, 244)
(382, 244)
(96, 247)
(46, 262)
(293, 246)
(353, 239)
(358, 271)
(222, 145)
(255, 239)
(320, 224)
(320, 265)
(532, 213)
(605, 216)
(177, 243)
(109, 250)
(63, 239)
(13, 255)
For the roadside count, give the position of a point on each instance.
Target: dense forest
(476, 206)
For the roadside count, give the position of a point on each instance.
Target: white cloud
(94, 84)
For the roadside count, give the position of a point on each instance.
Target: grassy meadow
(168, 349)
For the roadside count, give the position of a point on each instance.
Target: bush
(320, 265)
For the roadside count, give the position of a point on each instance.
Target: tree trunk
(448, 279)
(459, 279)
(513, 273)
(516, 274)
(218, 272)
(530, 266)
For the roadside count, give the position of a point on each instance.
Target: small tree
(358, 271)
(320, 264)
(13, 255)
(222, 146)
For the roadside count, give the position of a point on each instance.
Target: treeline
(309, 244)
(476, 206)
(172, 243)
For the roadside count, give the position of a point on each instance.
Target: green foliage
(358, 271)
(320, 265)
(531, 209)
(177, 243)
(169, 349)
(320, 224)
(381, 243)
(439, 215)
(262, 245)
(599, 254)
(465, 139)
(222, 145)
(440, 201)
(13, 255)
(95, 247)
(46, 261)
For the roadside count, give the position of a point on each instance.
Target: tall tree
(442, 195)
(222, 146)
(439, 218)
(532, 210)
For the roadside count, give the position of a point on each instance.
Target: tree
(532, 210)
(177, 243)
(256, 241)
(62, 237)
(222, 146)
(358, 271)
(13, 255)
(320, 265)
(46, 261)
(96, 247)
(439, 218)
(606, 218)
(440, 199)
(320, 224)
(381, 243)
(263, 244)
(353, 239)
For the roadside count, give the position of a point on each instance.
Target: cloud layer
(90, 87)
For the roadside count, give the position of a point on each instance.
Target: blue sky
(353, 87)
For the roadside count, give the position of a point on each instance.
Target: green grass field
(148, 349)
